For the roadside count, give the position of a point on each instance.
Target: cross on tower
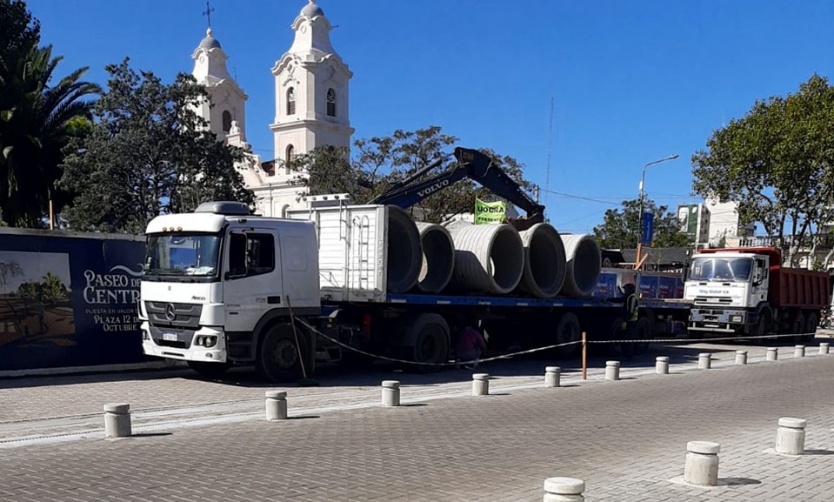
(208, 12)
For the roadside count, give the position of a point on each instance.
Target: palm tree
(36, 124)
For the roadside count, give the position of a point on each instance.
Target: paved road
(207, 440)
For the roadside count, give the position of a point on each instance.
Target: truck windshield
(721, 269)
(172, 254)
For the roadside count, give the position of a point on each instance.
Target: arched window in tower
(290, 101)
(227, 121)
(289, 155)
(331, 102)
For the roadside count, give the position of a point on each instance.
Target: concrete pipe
(544, 261)
(404, 255)
(584, 261)
(488, 258)
(438, 258)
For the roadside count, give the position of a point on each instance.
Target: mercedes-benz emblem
(170, 312)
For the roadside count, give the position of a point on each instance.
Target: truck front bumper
(718, 320)
(188, 350)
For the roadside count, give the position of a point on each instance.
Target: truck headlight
(736, 318)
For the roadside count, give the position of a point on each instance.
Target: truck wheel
(277, 357)
(811, 325)
(429, 334)
(568, 330)
(763, 326)
(642, 332)
(210, 370)
(797, 327)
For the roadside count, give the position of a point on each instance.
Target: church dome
(209, 42)
(312, 10)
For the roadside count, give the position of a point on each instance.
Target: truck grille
(702, 300)
(179, 315)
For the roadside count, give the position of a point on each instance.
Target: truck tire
(797, 327)
(568, 330)
(642, 332)
(763, 326)
(277, 358)
(429, 338)
(811, 324)
(616, 332)
(210, 370)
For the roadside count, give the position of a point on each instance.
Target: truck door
(252, 282)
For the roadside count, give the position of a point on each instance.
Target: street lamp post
(638, 265)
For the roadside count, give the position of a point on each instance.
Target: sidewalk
(625, 439)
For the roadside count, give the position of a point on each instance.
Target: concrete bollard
(704, 361)
(701, 466)
(799, 351)
(563, 490)
(276, 405)
(552, 375)
(480, 384)
(661, 365)
(612, 370)
(823, 349)
(390, 393)
(772, 353)
(790, 436)
(117, 420)
(741, 357)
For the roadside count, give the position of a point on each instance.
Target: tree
(778, 162)
(38, 118)
(620, 227)
(148, 153)
(383, 161)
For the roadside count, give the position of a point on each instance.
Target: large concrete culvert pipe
(438, 258)
(488, 258)
(404, 255)
(584, 261)
(544, 263)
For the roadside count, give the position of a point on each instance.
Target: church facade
(311, 108)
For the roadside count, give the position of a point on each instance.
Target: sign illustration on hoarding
(75, 305)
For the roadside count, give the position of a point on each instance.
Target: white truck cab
(217, 280)
(725, 289)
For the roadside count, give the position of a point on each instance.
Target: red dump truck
(748, 291)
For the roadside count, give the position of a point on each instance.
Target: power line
(580, 197)
(549, 148)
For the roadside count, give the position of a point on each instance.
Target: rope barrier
(405, 361)
(537, 349)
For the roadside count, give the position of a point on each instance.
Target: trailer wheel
(642, 332)
(210, 370)
(429, 334)
(568, 330)
(277, 357)
(811, 324)
(616, 332)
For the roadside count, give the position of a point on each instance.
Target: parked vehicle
(224, 287)
(747, 291)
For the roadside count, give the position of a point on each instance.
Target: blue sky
(632, 81)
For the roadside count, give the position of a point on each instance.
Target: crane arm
(470, 164)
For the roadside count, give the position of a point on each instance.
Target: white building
(712, 221)
(311, 108)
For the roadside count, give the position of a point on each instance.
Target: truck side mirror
(686, 266)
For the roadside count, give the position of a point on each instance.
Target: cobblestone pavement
(200, 440)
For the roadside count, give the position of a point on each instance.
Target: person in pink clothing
(470, 346)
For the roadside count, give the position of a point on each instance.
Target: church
(311, 108)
